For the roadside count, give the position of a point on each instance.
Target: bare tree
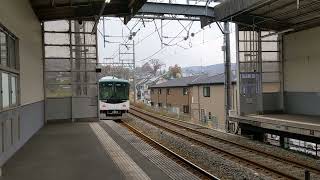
(146, 68)
(175, 71)
(156, 65)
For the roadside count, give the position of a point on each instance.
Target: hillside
(210, 70)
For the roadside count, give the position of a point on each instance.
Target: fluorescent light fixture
(107, 1)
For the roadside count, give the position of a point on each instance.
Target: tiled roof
(179, 82)
(216, 79)
(194, 80)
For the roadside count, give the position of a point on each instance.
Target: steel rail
(275, 171)
(170, 121)
(172, 153)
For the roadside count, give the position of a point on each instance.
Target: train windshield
(121, 91)
(114, 91)
(106, 90)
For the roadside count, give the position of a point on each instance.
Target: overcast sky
(202, 49)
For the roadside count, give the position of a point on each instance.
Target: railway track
(267, 164)
(201, 173)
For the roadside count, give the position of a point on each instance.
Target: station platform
(296, 124)
(85, 151)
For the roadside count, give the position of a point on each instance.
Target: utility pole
(134, 74)
(126, 61)
(227, 71)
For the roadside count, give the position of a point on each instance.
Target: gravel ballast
(209, 160)
(262, 147)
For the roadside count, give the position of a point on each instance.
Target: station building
(278, 41)
(48, 60)
(48, 57)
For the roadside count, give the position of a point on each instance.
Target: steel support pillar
(283, 142)
(259, 84)
(227, 74)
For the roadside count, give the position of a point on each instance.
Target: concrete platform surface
(300, 121)
(303, 119)
(297, 124)
(76, 151)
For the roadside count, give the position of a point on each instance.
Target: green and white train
(113, 96)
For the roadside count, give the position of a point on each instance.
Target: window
(106, 90)
(206, 91)
(152, 103)
(152, 91)
(160, 104)
(8, 70)
(202, 115)
(209, 115)
(5, 90)
(185, 91)
(159, 92)
(121, 91)
(168, 91)
(14, 90)
(3, 49)
(7, 49)
(185, 109)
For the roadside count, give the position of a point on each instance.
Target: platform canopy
(278, 15)
(83, 9)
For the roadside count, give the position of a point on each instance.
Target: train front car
(114, 96)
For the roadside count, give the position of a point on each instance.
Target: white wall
(302, 61)
(19, 18)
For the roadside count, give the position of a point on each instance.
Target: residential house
(208, 95)
(202, 97)
(174, 95)
(143, 90)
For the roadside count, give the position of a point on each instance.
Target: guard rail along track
(278, 167)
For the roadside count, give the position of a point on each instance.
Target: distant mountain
(210, 70)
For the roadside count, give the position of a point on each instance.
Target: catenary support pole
(134, 73)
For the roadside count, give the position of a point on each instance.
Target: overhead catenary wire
(198, 44)
(197, 1)
(147, 58)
